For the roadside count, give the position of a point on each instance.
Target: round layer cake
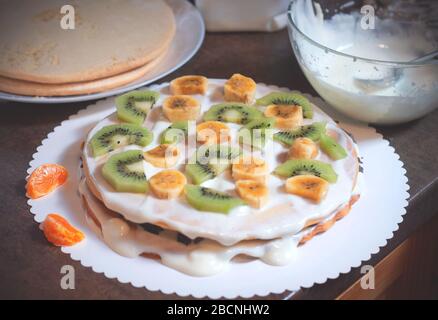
(282, 215)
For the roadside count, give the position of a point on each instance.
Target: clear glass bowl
(377, 89)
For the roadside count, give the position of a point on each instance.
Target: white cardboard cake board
(351, 241)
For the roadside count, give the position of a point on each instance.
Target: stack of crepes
(49, 49)
(167, 175)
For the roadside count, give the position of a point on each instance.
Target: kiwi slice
(257, 138)
(312, 131)
(210, 162)
(125, 172)
(174, 133)
(262, 123)
(297, 167)
(133, 107)
(232, 112)
(287, 98)
(333, 149)
(115, 136)
(200, 173)
(207, 199)
(217, 154)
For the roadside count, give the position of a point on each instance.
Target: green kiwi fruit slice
(133, 107)
(219, 157)
(232, 112)
(115, 136)
(174, 133)
(297, 167)
(262, 124)
(207, 199)
(125, 172)
(200, 173)
(333, 149)
(217, 154)
(287, 98)
(312, 131)
(256, 129)
(210, 162)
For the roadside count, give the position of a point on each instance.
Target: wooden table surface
(30, 267)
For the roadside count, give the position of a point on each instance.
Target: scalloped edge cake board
(352, 240)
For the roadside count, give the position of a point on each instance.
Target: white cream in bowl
(366, 89)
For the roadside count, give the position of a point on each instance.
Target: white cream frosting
(205, 258)
(284, 214)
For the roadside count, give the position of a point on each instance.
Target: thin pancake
(109, 37)
(67, 89)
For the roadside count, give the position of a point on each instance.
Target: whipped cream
(366, 90)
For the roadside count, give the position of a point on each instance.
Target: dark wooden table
(30, 267)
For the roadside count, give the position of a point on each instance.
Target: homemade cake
(152, 188)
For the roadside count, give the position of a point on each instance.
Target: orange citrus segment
(60, 232)
(45, 179)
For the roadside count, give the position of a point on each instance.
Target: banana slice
(163, 156)
(212, 132)
(303, 148)
(167, 184)
(181, 107)
(307, 186)
(240, 89)
(286, 116)
(189, 85)
(249, 168)
(255, 193)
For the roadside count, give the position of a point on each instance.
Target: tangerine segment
(60, 232)
(45, 179)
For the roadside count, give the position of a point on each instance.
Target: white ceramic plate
(190, 31)
(352, 240)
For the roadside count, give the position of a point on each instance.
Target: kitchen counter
(30, 267)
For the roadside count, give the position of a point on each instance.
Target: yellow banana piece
(212, 132)
(167, 184)
(240, 89)
(189, 85)
(249, 168)
(162, 156)
(303, 148)
(181, 107)
(255, 193)
(307, 186)
(286, 116)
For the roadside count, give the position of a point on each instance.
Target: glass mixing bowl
(361, 60)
